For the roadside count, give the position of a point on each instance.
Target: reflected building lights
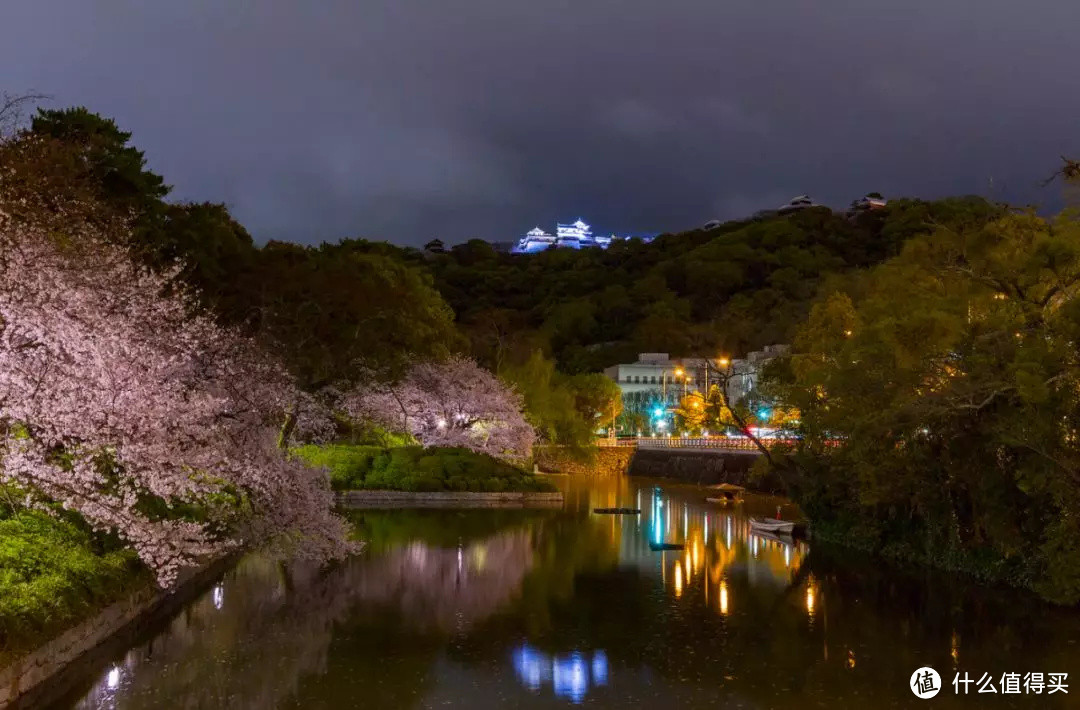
(723, 597)
(219, 596)
(678, 579)
(113, 679)
(599, 668)
(570, 676)
(810, 600)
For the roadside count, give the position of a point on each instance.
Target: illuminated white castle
(577, 235)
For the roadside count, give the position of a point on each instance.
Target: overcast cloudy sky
(410, 119)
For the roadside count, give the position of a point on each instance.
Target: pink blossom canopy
(449, 403)
(112, 395)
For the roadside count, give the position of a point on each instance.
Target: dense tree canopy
(315, 307)
(951, 377)
(732, 289)
(153, 424)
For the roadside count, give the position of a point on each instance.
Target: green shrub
(348, 465)
(53, 573)
(414, 468)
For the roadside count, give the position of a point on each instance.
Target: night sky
(405, 120)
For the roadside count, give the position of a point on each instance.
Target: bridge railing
(680, 442)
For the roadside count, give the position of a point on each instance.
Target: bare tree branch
(11, 110)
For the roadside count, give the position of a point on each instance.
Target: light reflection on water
(537, 609)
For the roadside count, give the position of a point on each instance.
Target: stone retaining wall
(701, 466)
(447, 499)
(602, 461)
(23, 680)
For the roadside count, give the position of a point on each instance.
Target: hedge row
(414, 468)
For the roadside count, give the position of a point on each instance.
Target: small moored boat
(617, 511)
(659, 546)
(772, 526)
(726, 493)
(782, 538)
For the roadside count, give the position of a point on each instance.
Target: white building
(576, 235)
(657, 372)
(573, 235)
(745, 372)
(798, 203)
(535, 240)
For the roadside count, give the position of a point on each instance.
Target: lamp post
(681, 374)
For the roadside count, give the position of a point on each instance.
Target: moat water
(552, 608)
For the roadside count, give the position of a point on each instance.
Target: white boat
(772, 526)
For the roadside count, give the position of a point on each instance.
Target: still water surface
(551, 608)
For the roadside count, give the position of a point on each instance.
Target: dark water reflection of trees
(531, 609)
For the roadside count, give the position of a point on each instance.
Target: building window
(637, 379)
(654, 379)
(629, 379)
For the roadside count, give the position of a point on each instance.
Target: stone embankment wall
(447, 499)
(601, 461)
(47, 672)
(703, 467)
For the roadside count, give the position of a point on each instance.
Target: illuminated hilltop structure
(577, 235)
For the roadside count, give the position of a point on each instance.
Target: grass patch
(54, 572)
(414, 468)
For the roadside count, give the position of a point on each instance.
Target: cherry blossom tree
(118, 403)
(449, 403)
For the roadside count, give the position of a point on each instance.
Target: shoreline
(390, 499)
(382, 499)
(56, 666)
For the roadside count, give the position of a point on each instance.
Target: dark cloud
(409, 119)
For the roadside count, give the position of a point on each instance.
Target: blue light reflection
(570, 675)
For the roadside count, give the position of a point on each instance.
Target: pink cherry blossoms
(116, 402)
(451, 403)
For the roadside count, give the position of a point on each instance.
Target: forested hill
(324, 309)
(731, 289)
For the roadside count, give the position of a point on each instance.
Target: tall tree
(152, 423)
(940, 402)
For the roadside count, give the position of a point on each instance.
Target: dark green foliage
(735, 288)
(414, 468)
(563, 409)
(329, 309)
(107, 159)
(949, 375)
(53, 573)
